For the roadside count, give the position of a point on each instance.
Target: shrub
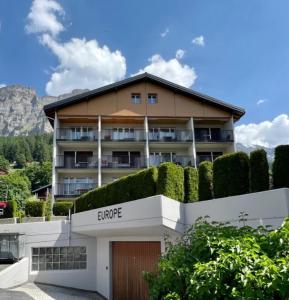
(231, 175)
(11, 210)
(171, 181)
(259, 171)
(135, 186)
(224, 262)
(35, 208)
(205, 180)
(191, 184)
(62, 208)
(281, 167)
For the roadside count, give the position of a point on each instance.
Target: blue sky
(240, 53)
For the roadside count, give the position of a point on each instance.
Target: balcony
(68, 162)
(122, 162)
(182, 160)
(213, 135)
(76, 134)
(207, 157)
(170, 135)
(71, 190)
(125, 134)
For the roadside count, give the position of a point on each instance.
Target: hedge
(132, 187)
(62, 208)
(281, 167)
(259, 171)
(231, 175)
(10, 211)
(205, 187)
(171, 181)
(35, 208)
(191, 184)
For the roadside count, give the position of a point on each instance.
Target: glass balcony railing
(122, 161)
(76, 134)
(129, 134)
(214, 135)
(182, 160)
(170, 135)
(73, 189)
(211, 158)
(69, 162)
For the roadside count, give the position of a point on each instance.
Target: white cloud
(42, 17)
(171, 70)
(266, 134)
(180, 53)
(83, 64)
(261, 101)
(199, 40)
(165, 33)
(2, 85)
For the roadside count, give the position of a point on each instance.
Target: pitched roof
(49, 109)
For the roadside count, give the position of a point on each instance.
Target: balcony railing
(73, 189)
(201, 158)
(175, 135)
(215, 137)
(63, 161)
(76, 134)
(130, 134)
(182, 160)
(122, 162)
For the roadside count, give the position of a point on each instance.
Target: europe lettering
(108, 214)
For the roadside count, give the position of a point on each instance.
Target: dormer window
(152, 98)
(135, 99)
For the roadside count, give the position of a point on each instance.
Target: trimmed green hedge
(205, 180)
(62, 208)
(281, 167)
(10, 211)
(132, 187)
(171, 181)
(231, 175)
(191, 184)
(35, 208)
(259, 171)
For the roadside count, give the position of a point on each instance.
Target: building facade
(136, 123)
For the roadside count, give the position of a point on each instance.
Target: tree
(281, 167)
(4, 163)
(205, 180)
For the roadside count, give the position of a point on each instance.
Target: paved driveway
(33, 291)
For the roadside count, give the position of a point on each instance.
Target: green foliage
(4, 163)
(205, 180)
(48, 208)
(231, 175)
(171, 181)
(281, 167)
(191, 184)
(62, 208)
(35, 208)
(217, 261)
(11, 210)
(259, 171)
(16, 186)
(39, 174)
(135, 186)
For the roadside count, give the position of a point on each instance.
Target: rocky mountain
(21, 110)
(270, 151)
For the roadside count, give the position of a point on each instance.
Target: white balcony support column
(54, 157)
(233, 133)
(147, 150)
(99, 152)
(194, 154)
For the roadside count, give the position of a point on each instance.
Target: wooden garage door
(129, 260)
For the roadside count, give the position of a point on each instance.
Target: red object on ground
(3, 204)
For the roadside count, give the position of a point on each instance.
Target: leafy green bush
(4, 163)
(231, 175)
(191, 184)
(62, 208)
(205, 180)
(281, 167)
(11, 210)
(171, 181)
(224, 262)
(259, 171)
(35, 208)
(135, 186)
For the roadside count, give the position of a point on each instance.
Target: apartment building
(139, 122)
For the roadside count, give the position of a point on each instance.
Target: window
(135, 98)
(152, 98)
(58, 258)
